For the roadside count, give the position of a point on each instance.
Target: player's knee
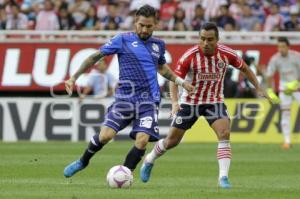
(141, 141)
(171, 143)
(105, 138)
(224, 134)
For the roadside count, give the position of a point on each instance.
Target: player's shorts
(143, 117)
(189, 114)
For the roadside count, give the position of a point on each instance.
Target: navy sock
(94, 146)
(134, 157)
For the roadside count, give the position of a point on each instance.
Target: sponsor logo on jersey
(155, 54)
(146, 122)
(209, 76)
(134, 44)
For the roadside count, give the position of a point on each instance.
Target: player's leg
(184, 119)
(96, 143)
(115, 120)
(221, 128)
(219, 121)
(285, 106)
(136, 153)
(145, 129)
(173, 139)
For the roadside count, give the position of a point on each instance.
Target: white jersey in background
(288, 67)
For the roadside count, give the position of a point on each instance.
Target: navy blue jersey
(138, 61)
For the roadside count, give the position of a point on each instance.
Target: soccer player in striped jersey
(287, 63)
(204, 66)
(137, 96)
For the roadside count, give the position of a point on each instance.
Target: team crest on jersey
(221, 64)
(155, 47)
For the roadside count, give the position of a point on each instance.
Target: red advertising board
(39, 66)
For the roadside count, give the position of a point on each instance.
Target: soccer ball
(119, 177)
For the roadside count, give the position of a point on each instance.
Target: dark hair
(283, 39)
(146, 11)
(211, 26)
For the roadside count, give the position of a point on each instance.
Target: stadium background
(36, 59)
(39, 66)
(38, 120)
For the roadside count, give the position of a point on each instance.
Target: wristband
(179, 81)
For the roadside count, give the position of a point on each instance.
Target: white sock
(224, 157)
(286, 126)
(157, 151)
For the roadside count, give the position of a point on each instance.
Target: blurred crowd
(174, 15)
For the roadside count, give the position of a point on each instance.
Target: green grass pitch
(35, 170)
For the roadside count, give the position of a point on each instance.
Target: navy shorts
(189, 114)
(143, 117)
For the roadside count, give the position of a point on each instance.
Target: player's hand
(270, 95)
(80, 99)
(291, 87)
(69, 85)
(175, 108)
(189, 87)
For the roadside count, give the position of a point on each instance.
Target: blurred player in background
(203, 65)
(137, 94)
(100, 82)
(287, 63)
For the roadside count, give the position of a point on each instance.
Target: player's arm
(174, 98)
(86, 90)
(252, 78)
(166, 72)
(88, 62)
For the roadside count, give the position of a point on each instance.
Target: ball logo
(155, 47)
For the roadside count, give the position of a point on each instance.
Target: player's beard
(144, 36)
(207, 52)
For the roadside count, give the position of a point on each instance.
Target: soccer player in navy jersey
(204, 66)
(137, 95)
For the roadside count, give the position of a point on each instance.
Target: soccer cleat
(224, 183)
(73, 168)
(286, 146)
(145, 171)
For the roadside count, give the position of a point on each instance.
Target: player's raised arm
(88, 62)
(165, 71)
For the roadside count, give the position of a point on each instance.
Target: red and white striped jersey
(206, 73)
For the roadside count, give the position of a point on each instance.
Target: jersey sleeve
(235, 60)
(113, 46)
(162, 59)
(182, 67)
(272, 68)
